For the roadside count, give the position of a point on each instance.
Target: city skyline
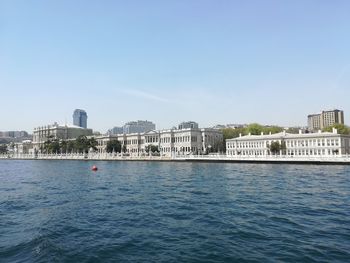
(268, 62)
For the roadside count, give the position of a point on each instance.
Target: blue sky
(271, 62)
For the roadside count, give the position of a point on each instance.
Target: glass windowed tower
(80, 118)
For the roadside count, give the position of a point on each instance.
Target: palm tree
(63, 146)
(93, 143)
(114, 146)
(82, 144)
(71, 146)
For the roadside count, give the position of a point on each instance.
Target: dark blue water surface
(61, 211)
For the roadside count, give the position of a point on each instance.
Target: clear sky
(218, 61)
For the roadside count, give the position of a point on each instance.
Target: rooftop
(287, 135)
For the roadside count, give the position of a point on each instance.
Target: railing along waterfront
(82, 156)
(238, 158)
(268, 158)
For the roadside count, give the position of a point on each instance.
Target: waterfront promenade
(185, 158)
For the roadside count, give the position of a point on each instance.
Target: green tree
(82, 144)
(114, 146)
(47, 147)
(71, 146)
(229, 133)
(272, 129)
(341, 128)
(277, 147)
(93, 143)
(151, 148)
(254, 129)
(274, 147)
(293, 130)
(3, 148)
(63, 146)
(55, 146)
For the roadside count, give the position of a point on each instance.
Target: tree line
(116, 147)
(253, 129)
(3, 148)
(341, 128)
(80, 145)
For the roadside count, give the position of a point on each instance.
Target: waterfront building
(302, 144)
(80, 118)
(325, 119)
(62, 132)
(192, 140)
(169, 142)
(24, 147)
(102, 142)
(133, 143)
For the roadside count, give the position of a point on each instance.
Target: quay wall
(185, 158)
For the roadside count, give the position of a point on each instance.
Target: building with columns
(302, 144)
(55, 131)
(169, 142)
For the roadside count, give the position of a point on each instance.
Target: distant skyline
(213, 62)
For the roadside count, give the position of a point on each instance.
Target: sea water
(61, 211)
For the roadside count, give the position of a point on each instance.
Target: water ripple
(60, 211)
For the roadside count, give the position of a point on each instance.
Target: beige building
(302, 144)
(325, 119)
(56, 131)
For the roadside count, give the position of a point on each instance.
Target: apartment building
(325, 119)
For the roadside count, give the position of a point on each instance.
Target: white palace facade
(56, 131)
(169, 142)
(302, 144)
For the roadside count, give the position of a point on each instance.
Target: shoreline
(193, 159)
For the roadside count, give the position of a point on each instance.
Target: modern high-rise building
(332, 117)
(314, 122)
(80, 118)
(115, 130)
(188, 125)
(138, 127)
(325, 119)
(133, 127)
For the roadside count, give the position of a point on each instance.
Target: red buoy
(94, 168)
